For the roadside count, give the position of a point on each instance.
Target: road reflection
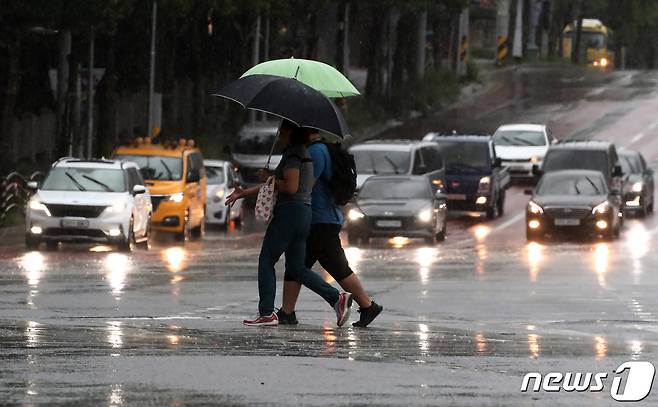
(175, 258)
(353, 255)
(601, 261)
(534, 252)
(115, 398)
(600, 347)
(638, 244)
(533, 345)
(423, 339)
(33, 333)
(117, 266)
(425, 257)
(114, 335)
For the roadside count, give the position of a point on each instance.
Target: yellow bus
(595, 39)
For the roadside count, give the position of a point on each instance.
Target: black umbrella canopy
(289, 99)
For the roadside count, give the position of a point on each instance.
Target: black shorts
(323, 246)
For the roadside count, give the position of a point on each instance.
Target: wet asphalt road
(463, 321)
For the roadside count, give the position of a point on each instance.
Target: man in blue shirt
(323, 243)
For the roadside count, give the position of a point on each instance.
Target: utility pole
(343, 45)
(517, 49)
(62, 90)
(462, 53)
(421, 46)
(90, 96)
(255, 55)
(502, 31)
(149, 129)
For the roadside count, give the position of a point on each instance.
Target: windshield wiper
(575, 186)
(75, 181)
(374, 166)
(524, 142)
(593, 185)
(395, 167)
(169, 174)
(95, 181)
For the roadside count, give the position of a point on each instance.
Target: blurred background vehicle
(389, 206)
(520, 146)
(176, 179)
(595, 43)
(89, 201)
(573, 203)
(398, 157)
(639, 183)
(476, 181)
(221, 180)
(251, 150)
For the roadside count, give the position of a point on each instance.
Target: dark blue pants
(287, 233)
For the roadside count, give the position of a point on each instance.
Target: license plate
(389, 223)
(456, 197)
(75, 223)
(567, 222)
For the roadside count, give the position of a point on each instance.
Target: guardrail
(14, 193)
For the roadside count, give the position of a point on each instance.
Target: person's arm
(239, 193)
(290, 182)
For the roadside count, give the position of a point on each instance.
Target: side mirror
(536, 170)
(193, 176)
(528, 192)
(617, 171)
(498, 162)
(33, 185)
(139, 189)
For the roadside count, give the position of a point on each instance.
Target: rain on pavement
(463, 320)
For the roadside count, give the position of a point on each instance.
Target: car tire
(128, 244)
(184, 235)
(492, 211)
(52, 245)
(532, 236)
(146, 244)
(441, 236)
(501, 204)
(199, 231)
(32, 243)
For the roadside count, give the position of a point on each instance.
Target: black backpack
(343, 175)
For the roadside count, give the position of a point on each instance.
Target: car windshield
(572, 184)
(576, 159)
(214, 175)
(629, 164)
(465, 157)
(257, 143)
(519, 138)
(395, 189)
(382, 162)
(84, 179)
(155, 167)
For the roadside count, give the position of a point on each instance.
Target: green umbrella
(320, 76)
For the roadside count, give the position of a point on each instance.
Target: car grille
(78, 211)
(73, 232)
(567, 212)
(155, 201)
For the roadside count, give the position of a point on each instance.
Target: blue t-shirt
(323, 207)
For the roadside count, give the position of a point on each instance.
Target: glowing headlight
(604, 62)
(116, 208)
(355, 214)
(38, 206)
(535, 159)
(425, 215)
(637, 187)
(219, 195)
(177, 197)
(485, 184)
(534, 208)
(601, 208)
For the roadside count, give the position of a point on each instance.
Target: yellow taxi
(176, 178)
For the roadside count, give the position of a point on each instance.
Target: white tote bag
(266, 200)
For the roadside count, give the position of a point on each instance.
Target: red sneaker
(267, 320)
(343, 308)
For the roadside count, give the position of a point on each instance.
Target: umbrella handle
(269, 158)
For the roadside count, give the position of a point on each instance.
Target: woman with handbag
(289, 226)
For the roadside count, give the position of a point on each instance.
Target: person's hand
(237, 193)
(264, 174)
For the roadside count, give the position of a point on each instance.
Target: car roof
(69, 162)
(398, 178)
(522, 127)
(390, 145)
(628, 153)
(215, 163)
(475, 138)
(583, 145)
(585, 173)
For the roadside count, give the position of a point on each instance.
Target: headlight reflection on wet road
(423, 339)
(600, 347)
(114, 335)
(601, 258)
(425, 257)
(535, 255)
(175, 258)
(117, 266)
(353, 255)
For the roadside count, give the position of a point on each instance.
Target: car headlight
(425, 215)
(116, 208)
(637, 187)
(219, 195)
(484, 185)
(177, 197)
(535, 208)
(535, 159)
(35, 205)
(355, 214)
(601, 208)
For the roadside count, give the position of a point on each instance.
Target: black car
(475, 178)
(388, 206)
(573, 202)
(639, 185)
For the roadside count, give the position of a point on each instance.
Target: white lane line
(637, 137)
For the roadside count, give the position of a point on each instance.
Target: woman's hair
(298, 135)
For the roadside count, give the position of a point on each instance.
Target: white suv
(91, 201)
(522, 146)
(221, 179)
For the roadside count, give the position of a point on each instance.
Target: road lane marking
(509, 222)
(637, 137)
